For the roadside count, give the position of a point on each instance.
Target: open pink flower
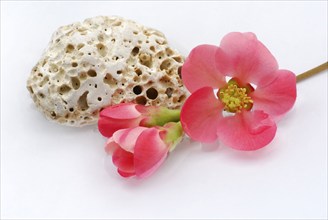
(127, 115)
(139, 151)
(238, 92)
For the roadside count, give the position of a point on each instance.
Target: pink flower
(139, 151)
(241, 112)
(128, 115)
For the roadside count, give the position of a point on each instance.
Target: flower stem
(174, 134)
(163, 115)
(312, 72)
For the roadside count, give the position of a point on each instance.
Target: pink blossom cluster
(237, 95)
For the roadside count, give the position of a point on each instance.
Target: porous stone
(101, 62)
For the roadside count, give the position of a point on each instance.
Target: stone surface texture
(101, 62)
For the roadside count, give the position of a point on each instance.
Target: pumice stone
(104, 61)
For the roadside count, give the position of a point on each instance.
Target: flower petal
(199, 69)
(247, 130)
(200, 115)
(123, 160)
(125, 174)
(111, 146)
(149, 153)
(121, 111)
(278, 97)
(126, 138)
(242, 56)
(107, 126)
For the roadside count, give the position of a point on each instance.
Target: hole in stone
(135, 51)
(83, 102)
(160, 55)
(44, 81)
(182, 98)
(99, 99)
(165, 79)
(137, 90)
(117, 23)
(71, 109)
(169, 92)
(152, 93)
(152, 48)
(141, 100)
(160, 41)
(101, 37)
(64, 89)
(92, 73)
(29, 88)
(69, 48)
(179, 71)
(79, 46)
(138, 71)
(53, 68)
(83, 75)
(144, 78)
(102, 50)
(109, 80)
(136, 79)
(41, 95)
(169, 51)
(119, 72)
(178, 59)
(53, 114)
(96, 85)
(165, 64)
(145, 59)
(74, 64)
(75, 82)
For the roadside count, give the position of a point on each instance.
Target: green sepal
(174, 134)
(159, 116)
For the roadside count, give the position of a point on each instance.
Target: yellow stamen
(235, 98)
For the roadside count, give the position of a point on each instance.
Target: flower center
(235, 98)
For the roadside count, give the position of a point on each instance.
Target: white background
(52, 171)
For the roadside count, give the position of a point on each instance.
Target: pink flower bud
(139, 151)
(128, 115)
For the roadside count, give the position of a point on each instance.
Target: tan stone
(104, 61)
